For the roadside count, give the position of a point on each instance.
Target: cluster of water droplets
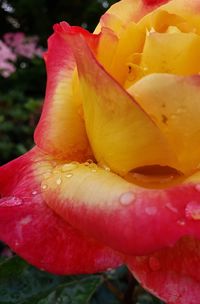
(59, 172)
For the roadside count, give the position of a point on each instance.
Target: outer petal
(61, 129)
(112, 117)
(173, 103)
(35, 232)
(128, 218)
(172, 274)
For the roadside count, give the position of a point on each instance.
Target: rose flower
(114, 176)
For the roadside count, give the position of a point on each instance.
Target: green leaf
(21, 283)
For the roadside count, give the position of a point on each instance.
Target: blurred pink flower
(16, 45)
(7, 59)
(22, 45)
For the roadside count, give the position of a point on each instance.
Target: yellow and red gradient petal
(125, 11)
(171, 274)
(115, 212)
(118, 129)
(173, 103)
(61, 130)
(38, 234)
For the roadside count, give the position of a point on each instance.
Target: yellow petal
(123, 12)
(175, 53)
(119, 132)
(173, 102)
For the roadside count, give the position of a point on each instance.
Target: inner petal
(173, 103)
(174, 53)
(119, 131)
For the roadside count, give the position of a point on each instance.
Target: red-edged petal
(172, 274)
(35, 232)
(130, 219)
(61, 130)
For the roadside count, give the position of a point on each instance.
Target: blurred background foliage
(21, 97)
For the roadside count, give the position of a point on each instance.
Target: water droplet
(127, 198)
(69, 166)
(44, 186)
(181, 222)
(59, 181)
(171, 207)
(154, 263)
(34, 192)
(11, 201)
(93, 167)
(89, 161)
(192, 210)
(68, 175)
(26, 220)
(151, 210)
(197, 187)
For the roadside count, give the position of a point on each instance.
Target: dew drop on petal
(93, 167)
(68, 175)
(34, 192)
(89, 161)
(44, 186)
(181, 222)
(11, 201)
(154, 263)
(127, 198)
(151, 210)
(59, 181)
(192, 210)
(171, 207)
(197, 187)
(69, 166)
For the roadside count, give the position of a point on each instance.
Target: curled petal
(35, 232)
(61, 130)
(130, 219)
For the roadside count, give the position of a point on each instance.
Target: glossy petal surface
(35, 232)
(128, 218)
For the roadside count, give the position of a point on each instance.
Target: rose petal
(61, 130)
(172, 274)
(128, 218)
(162, 53)
(117, 128)
(35, 232)
(125, 11)
(173, 103)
